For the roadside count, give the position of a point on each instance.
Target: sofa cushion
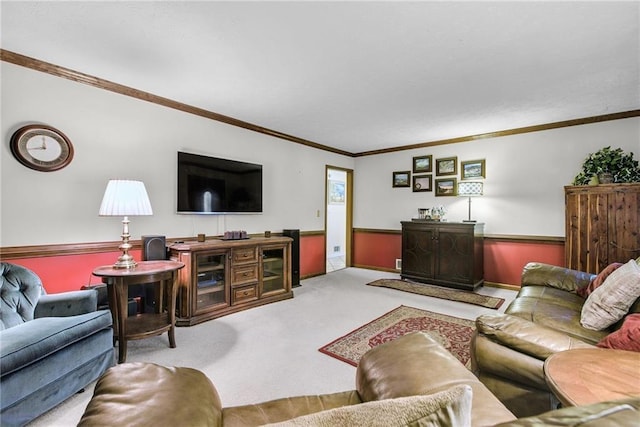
(146, 394)
(34, 340)
(625, 338)
(286, 408)
(611, 301)
(448, 408)
(555, 309)
(20, 289)
(599, 279)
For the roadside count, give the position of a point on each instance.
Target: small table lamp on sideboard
(125, 198)
(470, 189)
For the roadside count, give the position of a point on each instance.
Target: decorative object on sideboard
(235, 235)
(607, 166)
(470, 189)
(41, 147)
(125, 198)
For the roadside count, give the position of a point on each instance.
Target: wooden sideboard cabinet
(443, 253)
(225, 276)
(602, 225)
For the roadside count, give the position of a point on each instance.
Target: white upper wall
(121, 137)
(115, 136)
(524, 185)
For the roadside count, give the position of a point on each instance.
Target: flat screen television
(211, 185)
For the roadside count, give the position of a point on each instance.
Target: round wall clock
(41, 147)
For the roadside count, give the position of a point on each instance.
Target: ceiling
(351, 75)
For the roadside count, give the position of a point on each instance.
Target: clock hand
(41, 147)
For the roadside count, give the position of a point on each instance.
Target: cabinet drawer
(244, 255)
(244, 293)
(244, 274)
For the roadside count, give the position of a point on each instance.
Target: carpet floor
(440, 292)
(271, 351)
(452, 333)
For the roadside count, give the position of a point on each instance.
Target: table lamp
(125, 198)
(470, 189)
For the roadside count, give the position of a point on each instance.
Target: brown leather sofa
(508, 350)
(144, 394)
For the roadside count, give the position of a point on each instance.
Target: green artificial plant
(621, 166)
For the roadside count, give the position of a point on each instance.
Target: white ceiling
(356, 76)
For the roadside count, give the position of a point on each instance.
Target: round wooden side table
(590, 375)
(144, 325)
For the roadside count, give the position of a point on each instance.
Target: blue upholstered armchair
(51, 346)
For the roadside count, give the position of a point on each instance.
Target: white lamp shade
(124, 198)
(469, 189)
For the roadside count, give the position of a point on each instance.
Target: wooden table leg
(122, 295)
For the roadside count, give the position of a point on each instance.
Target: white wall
(115, 136)
(120, 137)
(524, 185)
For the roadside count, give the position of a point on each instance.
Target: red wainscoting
(377, 250)
(69, 272)
(312, 255)
(503, 258)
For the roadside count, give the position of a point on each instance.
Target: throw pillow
(611, 301)
(448, 408)
(599, 279)
(625, 338)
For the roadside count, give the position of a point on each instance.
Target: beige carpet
(468, 297)
(452, 333)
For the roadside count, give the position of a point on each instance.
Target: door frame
(349, 213)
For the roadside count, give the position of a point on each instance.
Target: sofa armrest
(536, 273)
(66, 304)
(525, 336)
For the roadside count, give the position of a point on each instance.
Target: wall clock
(41, 147)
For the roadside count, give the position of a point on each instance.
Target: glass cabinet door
(273, 270)
(210, 280)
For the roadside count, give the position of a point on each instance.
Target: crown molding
(66, 73)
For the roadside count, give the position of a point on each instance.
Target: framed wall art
(422, 164)
(422, 183)
(447, 166)
(402, 179)
(472, 169)
(336, 192)
(446, 186)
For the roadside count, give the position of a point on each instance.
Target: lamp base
(469, 220)
(125, 261)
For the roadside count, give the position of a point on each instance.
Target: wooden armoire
(602, 225)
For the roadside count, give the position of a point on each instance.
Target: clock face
(42, 148)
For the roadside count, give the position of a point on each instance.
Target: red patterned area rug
(452, 333)
(439, 292)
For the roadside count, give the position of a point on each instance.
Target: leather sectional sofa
(509, 350)
(410, 381)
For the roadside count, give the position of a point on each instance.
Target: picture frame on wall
(423, 164)
(402, 179)
(447, 166)
(472, 169)
(446, 187)
(336, 192)
(422, 183)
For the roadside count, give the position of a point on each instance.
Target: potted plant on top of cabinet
(606, 166)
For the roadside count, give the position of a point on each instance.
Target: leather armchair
(51, 346)
(509, 350)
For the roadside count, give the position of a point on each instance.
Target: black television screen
(210, 185)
